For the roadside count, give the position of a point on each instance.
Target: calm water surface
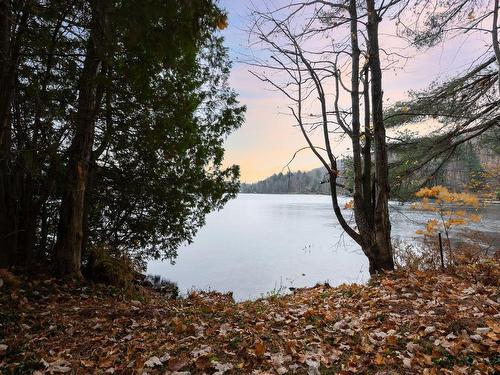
(263, 242)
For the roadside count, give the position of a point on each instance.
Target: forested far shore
(471, 168)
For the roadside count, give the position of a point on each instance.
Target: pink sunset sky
(268, 138)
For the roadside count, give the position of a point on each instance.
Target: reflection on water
(262, 242)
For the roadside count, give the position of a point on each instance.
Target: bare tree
(310, 62)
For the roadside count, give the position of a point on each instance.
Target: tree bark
(9, 177)
(381, 257)
(494, 36)
(367, 156)
(6, 250)
(71, 221)
(380, 260)
(27, 223)
(359, 207)
(6, 69)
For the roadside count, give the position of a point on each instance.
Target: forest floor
(402, 323)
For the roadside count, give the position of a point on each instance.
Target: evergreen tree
(116, 124)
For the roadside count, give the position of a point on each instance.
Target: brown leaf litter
(402, 323)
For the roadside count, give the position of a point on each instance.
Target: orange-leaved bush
(451, 210)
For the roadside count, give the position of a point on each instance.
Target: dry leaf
(379, 359)
(260, 348)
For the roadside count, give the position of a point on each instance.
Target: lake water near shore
(261, 243)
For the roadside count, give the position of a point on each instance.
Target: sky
(268, 139)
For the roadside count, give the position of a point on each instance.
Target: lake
(262, 243)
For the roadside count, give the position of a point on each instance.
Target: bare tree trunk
(359, 207)
(71, 221)
(381, 258)
(494, 37)
(367, 166)
(9, 179)
(27, 223)
(6, 251)
(6, 69)
(8, 207)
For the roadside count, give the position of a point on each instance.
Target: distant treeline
(311, 182)
(475, 167)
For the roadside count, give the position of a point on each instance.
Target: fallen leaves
(403, 323)
(153, 361)
(60, 366)
(179, 362)
(379, 359)
(260, 349)
(222, 368)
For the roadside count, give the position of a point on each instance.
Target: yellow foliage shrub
(449, 208)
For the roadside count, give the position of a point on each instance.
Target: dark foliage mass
(112, 120)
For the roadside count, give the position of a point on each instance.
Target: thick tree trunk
(381, 258)
(359, 208)
(494, 36)
(71, 221)
(7, 69)
(27, 223)
(69, 240)
(8, 217)
(8, 193)
(367, 162)
(5, 246)
(371, 214)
